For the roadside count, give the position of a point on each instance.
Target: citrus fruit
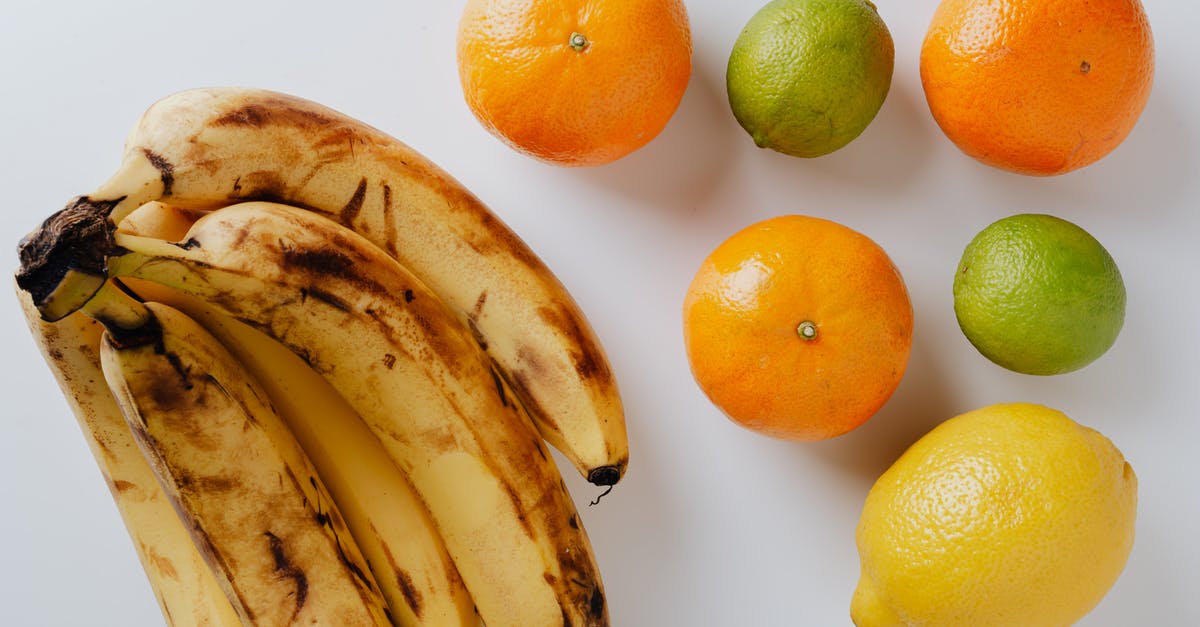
(798, 327)
(1038, 295)
(574, 82)
(806, 77)
(1039, 87)
(1007, 515)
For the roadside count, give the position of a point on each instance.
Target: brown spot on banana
(275, 111)
(439, 441)
(392, 434)
(585, 362)
(594, 597)
(438, 333)
(596, 604)
(336, 525)
(337, 144)
(476, 333)
(389, 222)
(330, 261)
(326, 297)
(251, 115)
(160, 563)
(191, 484)
(521, 511)
(412, 596)
(493, 238)
(285, 568)
(496, 378)
(166, 171)
(350, 211)
(262, 185)
(519, 380)
(171, 389)
(120, 486)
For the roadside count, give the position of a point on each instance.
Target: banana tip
(604, 476)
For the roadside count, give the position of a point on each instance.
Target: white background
(713, 525)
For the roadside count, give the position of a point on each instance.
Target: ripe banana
(187, 592)
(415, 374)
(256, 508)
(385, 515)
(206, 148)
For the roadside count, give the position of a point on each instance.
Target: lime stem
(807, 330)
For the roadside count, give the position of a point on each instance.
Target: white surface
(713, 525)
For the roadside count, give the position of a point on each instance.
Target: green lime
(1039, 295)
(806, 77)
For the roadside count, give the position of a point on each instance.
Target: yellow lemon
(1007, 515)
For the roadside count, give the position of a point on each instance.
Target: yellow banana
(188, 594)
(385, 515)
(414, 373)
(207, 148)
(255, 506)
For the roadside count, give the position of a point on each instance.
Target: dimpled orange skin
(1039, 87)
(530, 87)
(742, 318)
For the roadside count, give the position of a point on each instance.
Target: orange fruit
(1039, 87)
(574, 82)
(798, 327)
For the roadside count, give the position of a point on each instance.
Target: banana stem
(65, 267)
(62, 261)
(115, 306)
(138, 252)
(126, 319)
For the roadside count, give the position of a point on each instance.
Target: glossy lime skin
(806, 77)
(1039, 295)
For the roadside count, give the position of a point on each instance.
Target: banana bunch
(320, 376)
